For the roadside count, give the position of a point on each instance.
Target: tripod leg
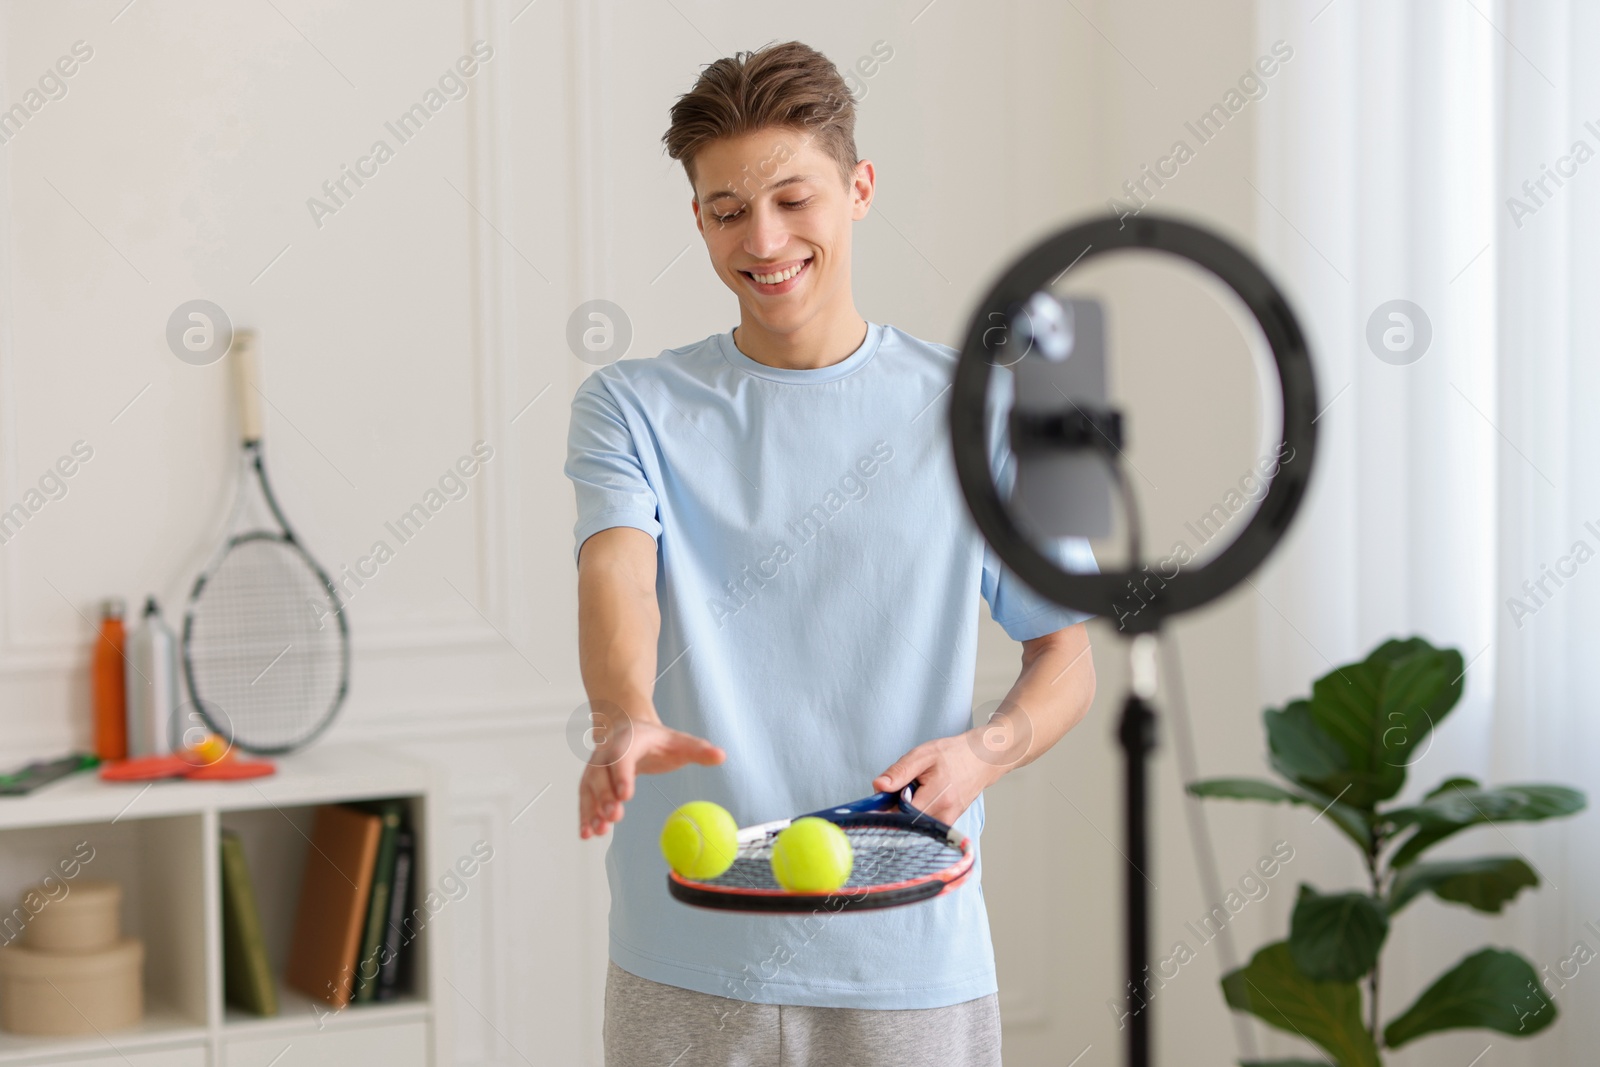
(1137, 734)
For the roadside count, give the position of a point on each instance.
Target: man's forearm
(1051, 695)
(619, 623)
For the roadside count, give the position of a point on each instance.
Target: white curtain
(1447, 479)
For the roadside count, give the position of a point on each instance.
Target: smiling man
(777, 609)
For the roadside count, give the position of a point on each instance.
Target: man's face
(769, 202)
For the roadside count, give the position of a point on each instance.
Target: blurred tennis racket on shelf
(265, 648)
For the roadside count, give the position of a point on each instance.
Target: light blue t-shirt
(818, 575)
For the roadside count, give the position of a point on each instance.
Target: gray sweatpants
(649, 1024)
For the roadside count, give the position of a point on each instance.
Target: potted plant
(1344, 752)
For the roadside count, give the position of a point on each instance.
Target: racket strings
(265, 645)
(883, 855)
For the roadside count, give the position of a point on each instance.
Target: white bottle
(152, 677)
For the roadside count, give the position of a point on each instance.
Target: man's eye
(797, 203)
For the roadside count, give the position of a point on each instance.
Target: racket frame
(877, 810)
(252, 458)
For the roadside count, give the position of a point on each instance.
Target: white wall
(430, 311)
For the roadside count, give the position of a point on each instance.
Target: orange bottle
(109, 684)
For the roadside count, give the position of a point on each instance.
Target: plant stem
(1373, 849)
(1372, 991)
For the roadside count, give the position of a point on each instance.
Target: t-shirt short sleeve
(1022, 612)
(603, 464)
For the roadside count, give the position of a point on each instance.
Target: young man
(777, 604)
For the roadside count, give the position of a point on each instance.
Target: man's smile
(778, 278)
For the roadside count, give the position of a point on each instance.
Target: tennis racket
(266, 649)
(901, 856)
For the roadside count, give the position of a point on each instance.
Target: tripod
(1021, 299)
(1137, 731)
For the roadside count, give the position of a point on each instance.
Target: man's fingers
(902, 771)
(604, 796)
(673, 749)
(589, 820)
(702, 751)
(605, 786)
(620, 775)
(690, 747)
(938, 798)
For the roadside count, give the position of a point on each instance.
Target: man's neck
(818, 344)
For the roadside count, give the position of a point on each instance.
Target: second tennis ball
(700, 840)
(812, 855)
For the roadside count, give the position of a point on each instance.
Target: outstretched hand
(620, 754)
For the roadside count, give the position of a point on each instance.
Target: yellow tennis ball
(700, 840)
(209, 749)
(812, 855)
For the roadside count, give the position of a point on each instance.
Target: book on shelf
(247, 979)
(335, 893)
(370, 961)
(393, 976)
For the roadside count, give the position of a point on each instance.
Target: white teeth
(781, 276)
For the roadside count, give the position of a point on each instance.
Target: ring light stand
(1074, 428)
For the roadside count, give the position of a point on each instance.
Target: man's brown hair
(789, 84)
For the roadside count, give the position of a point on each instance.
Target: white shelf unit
(161, 841)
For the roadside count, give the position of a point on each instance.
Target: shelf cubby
(161, 842)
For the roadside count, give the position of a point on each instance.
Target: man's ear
(861, 188)
(699, 223)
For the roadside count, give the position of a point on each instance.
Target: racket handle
(244, 376)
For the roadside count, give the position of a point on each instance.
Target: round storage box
(86, 918)
(71, 992)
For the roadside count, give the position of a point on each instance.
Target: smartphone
(1060, 493)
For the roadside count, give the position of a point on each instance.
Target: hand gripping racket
(901, 856)
(266, 649)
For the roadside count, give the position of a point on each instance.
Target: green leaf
(1489, 990)
(1452, 783)
(1354, 823)
(1396, 649)
(1300, 749)
(1381, 711)
(1283, 1063)
(1244, 789)
(1455, 809)
(1336, 937)
(1485, 883)
(1327, 1014)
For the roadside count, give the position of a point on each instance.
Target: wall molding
(498, 567)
